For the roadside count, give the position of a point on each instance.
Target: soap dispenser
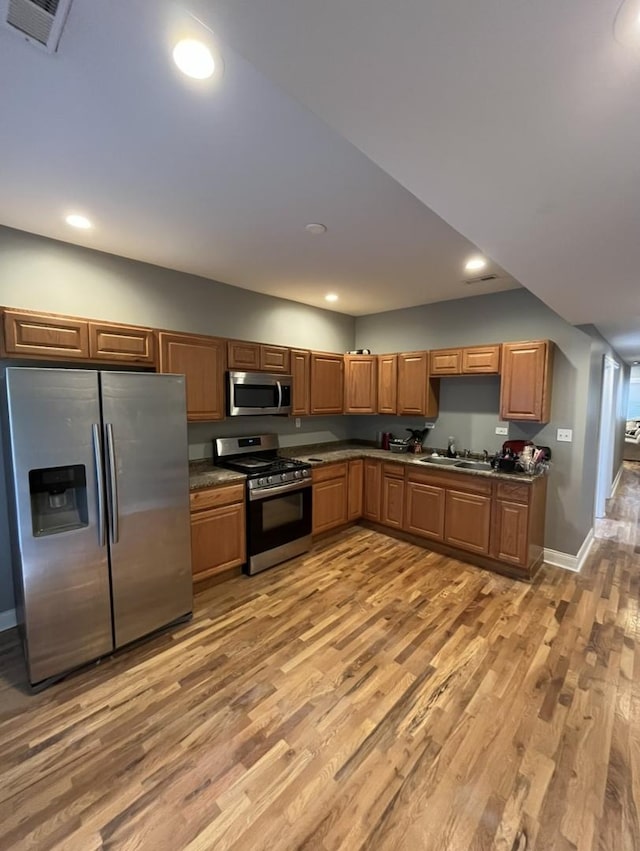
(451, 447)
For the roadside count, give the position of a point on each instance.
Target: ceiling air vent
(482, 279)
(38, 21)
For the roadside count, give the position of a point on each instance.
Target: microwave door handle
(279, 394)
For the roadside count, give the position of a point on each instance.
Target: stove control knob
(297, 474)
(283, 477)
(305, 473)
(260, 482)
(269, 479)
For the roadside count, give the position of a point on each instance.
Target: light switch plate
(297, 422)
(502, 430)
(565, 435)
(429, 425)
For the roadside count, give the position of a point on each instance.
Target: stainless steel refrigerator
(98, 489)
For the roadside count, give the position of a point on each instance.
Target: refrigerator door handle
(97, 454)
(113, 484)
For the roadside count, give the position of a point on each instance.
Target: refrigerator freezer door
(145, 424)
(62, 567)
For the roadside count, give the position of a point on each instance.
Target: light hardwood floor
(370, 695)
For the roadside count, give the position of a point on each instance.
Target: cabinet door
(371, 492)
(300, 369)
(525, 389)
(418, 394)
(243, 356)
(356, 479)
(484, 360)
(392, 501)
(326, 383)
(201, 361)
(467, 521)
(445, 361)
(387, 384)
(329, 504)
(424, 510)
(37, 335)
(121, 343)
(510, 540)
(274, 359)
(217, 540)
(360, 384)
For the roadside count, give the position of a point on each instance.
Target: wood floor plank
(368, 695)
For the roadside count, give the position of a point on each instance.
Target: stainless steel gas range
(278, 497)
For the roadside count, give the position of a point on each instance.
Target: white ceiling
(218, 180)
(517, 122)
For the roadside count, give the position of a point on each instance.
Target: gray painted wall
(514, 315)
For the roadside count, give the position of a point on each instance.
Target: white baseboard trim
(567, 561)
(7, 619)
(616, 481)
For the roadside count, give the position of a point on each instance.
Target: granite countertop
(323, 454)
(204, 474)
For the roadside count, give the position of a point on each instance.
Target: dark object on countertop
(397, 444)
(316, 459)
(415, 441)
(360, 352)
(387, 437)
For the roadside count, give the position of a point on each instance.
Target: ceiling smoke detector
(315, 228)
(40, 22)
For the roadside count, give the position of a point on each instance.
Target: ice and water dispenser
(58, 499)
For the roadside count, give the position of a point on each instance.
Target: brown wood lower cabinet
(218, 541)
(424, 510)
(392, 506)
(468, 521)
(356, 480)
(330, 498)
(371, 494)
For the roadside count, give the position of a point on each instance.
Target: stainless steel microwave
(258, 393)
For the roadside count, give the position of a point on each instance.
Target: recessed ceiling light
(331, 297)
(194, 59)
(474, 264)
(78, 221)
(316, 228)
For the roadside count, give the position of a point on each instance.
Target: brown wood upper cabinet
(300, 373)
(327, 372)
(387, 384)
(418, 393)
(471, 360)
(360, 384)
(256, 357)
(36, 335)
(121, 343)
(202, 361)
(525, 389)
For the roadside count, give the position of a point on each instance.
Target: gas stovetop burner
(257, 458)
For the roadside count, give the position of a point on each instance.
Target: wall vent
(482, 279)
(38, 21)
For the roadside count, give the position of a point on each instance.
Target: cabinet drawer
(213, 497)
(396, 470)
(460, 482)
(34, 335)
(330, 471)
(481, 359)
(445, 362)
(513, 492)
(120, 343)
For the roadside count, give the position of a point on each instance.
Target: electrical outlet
(297, 422)
(502, 430)
(429, 425)
(565, 435)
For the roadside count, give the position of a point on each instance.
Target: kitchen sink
(442, 462)
(474, 465)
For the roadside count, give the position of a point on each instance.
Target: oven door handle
(278, 489)
(279, 394)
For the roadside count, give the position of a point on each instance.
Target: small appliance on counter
(398, 444)
(278, 496)
(521, 456)
(417, 436)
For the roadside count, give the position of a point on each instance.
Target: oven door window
(278, 520)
